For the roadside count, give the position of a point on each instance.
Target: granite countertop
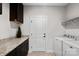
(74, 43)
(7, 45)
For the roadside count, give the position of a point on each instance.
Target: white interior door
(38, 33)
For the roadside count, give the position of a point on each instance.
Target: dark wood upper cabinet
(16, 12)
(0, 8)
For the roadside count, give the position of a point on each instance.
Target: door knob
(44, 35)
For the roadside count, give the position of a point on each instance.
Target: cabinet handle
(70, 46)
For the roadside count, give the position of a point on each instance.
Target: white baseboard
(29, 51)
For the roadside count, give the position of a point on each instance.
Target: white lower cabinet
(69, 50)
(65, 49)
(58, 47)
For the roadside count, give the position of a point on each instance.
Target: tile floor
(40, 53)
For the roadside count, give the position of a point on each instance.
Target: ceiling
(45, 4)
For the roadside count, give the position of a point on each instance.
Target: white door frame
(31, 34)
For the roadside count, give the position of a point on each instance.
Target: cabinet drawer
(69, 50)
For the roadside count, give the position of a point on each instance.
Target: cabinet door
(13, 11)
(22, 49)
(58, 47)
(69, 50)
(20, 13)
(16, 12)
(0, 8)
(65, 47)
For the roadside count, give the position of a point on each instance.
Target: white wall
(72, 12)
(55, 16)
(5, 29)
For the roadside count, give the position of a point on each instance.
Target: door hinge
(31, 34)
(31, 46)
(31, 21)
